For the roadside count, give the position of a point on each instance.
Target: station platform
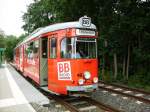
(17, 94)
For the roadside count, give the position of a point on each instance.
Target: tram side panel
(17, 55)
(31, 60)
(21, 55)
(54, 84)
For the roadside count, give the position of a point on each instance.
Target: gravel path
(120, 102)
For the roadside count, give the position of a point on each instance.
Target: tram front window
(77, 48)
(68, 48)
(86, 47)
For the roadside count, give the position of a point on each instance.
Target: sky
(11, 12)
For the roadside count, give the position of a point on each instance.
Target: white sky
(11, 12)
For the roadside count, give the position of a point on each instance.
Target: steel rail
(64, 103)
(125, 94)
(101, 105)
(68, 105)
(60, 100)
(125, 87)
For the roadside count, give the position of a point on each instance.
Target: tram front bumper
(86, 88)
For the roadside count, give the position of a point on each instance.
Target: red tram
(61, 58)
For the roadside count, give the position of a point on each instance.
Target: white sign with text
(64, 70)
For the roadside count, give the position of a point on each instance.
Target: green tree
(2, 39)
(123, 26)
(10, 43)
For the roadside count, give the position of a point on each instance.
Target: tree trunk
(103, 73)
(103, 69)
(115, 66)
(139, 41)
(124, 66)
(128, 62)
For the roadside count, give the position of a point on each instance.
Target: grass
(139, 80)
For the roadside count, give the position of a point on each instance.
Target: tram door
(43, 62)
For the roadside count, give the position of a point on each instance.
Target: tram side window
(26, 50)
(53, 48)
(44, 48)
(36, 48)
(20, 52)
(29, 50)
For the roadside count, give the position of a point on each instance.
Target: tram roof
(54, 27)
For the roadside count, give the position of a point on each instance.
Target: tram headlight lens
(87, 75)
(80, 81)
(95, 80)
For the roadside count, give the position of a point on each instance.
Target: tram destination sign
(85, 32)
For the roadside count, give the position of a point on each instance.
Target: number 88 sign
(85, 21)
(64, 71)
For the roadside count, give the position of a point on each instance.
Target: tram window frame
(44, 48)
(64, 55)
(53, 52)
(91, 54)
(32, 49)
(36, 48)
(76, 52)
(29, 50)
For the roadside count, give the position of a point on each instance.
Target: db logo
(64, 70)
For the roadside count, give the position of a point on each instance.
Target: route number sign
(85, 21)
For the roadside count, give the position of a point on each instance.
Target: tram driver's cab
(79, 48)
(75, 67)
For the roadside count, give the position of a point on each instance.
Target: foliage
(2, 41)
(123, 27)
(10, 43)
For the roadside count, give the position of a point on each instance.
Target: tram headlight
(87, 75)
(80, 81)
(95, 79)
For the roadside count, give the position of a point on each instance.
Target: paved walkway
(16, 93)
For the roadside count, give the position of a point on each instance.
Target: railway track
(81, 104)
(139, 95)
(76, 104)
